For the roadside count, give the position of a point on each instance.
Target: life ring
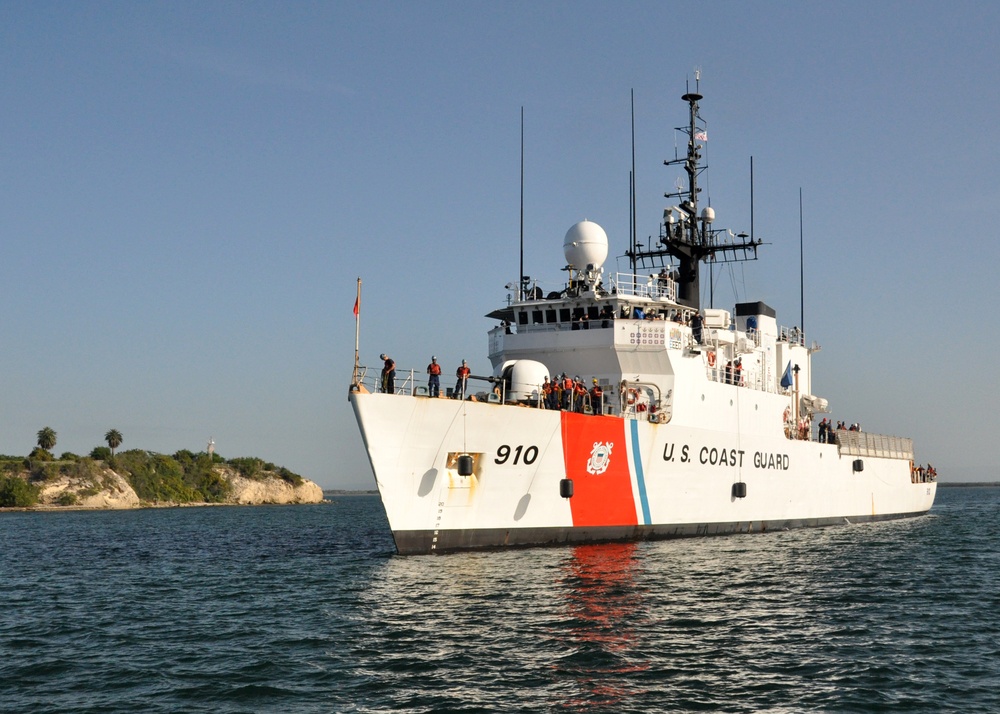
(711, 359)
(631, 396)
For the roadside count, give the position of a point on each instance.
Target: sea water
(307, 609)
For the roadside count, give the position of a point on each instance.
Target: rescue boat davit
(691, 421)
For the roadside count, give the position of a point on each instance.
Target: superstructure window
(564, 314)
(536, 317)
(550, 316)
(522, 318)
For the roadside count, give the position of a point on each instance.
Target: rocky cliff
(101, 487)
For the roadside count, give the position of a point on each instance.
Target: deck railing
(861, 443)
(646, 286)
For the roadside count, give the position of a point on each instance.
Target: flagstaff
(357, 335)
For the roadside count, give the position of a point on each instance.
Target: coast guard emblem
(600, 458)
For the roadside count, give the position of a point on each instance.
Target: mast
(689, 237)
(631, 181)
(802, 273)
(522, 281)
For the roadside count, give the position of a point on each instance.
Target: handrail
(654, 402)
(862, 443)
(792, 335)
(647, 286)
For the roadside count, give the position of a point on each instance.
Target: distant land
(143, 479)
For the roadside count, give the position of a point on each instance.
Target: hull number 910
(522, 454)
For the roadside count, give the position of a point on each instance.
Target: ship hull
(447, 541)
(630, 479)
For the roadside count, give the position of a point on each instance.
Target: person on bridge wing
(697, 321)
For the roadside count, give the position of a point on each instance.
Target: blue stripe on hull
(639, 477)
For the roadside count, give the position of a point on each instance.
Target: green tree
(16, 492)
(114, 439)
(46, 438)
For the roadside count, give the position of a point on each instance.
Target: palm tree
(114, 439)
(46, 438)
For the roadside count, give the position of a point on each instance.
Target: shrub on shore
(15, 492)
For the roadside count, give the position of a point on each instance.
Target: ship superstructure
(619, 408)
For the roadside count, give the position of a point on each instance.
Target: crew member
(696, 323)
(597, 398)
(567, 391)
(463, 377)
(579, 395)
(557, 391)
(388, 374)
(434, 380)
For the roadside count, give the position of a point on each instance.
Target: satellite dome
(708, 214)
(586, 244)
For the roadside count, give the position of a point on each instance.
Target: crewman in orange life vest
(567, 391)
(463, 377)
(547, 394)
(597, 398)
(434, 380)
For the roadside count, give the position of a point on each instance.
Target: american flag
(701, 136)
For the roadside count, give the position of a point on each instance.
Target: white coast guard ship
(706, 424)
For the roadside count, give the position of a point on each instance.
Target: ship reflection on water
(741, 623)
(564, 622)
(606, 607)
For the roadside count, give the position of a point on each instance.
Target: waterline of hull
(423, 542)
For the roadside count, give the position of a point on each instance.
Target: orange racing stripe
(596, 457)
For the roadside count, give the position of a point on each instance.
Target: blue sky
(190, 191)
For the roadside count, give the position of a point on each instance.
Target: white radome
(586, 244)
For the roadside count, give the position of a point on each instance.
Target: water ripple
(306, 609)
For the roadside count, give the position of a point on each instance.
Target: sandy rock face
(115, 492)
(273, 490)
(96, 486)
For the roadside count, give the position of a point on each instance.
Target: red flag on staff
(356, 301)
